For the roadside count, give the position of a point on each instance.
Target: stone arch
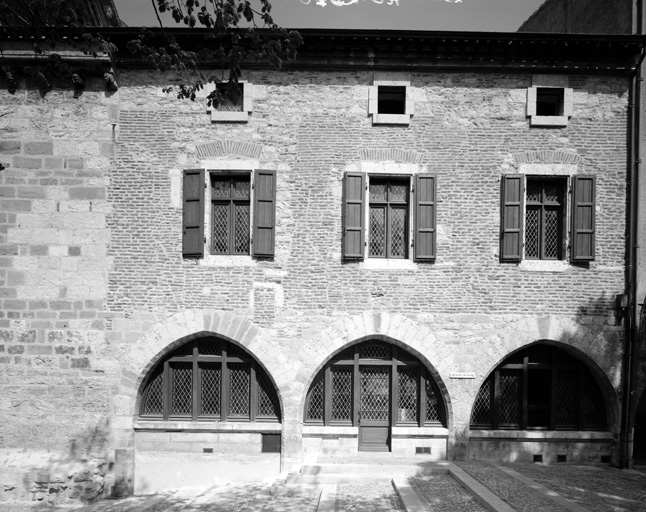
(393, 154)
(228, 147)
(160, 340)
(609, 393)
(412, 336)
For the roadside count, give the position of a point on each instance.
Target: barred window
(230, 209)
(544, 219)
(388, 223)
(540, 388)
(374, 381)
(209, 379)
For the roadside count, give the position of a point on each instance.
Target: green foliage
(239, 31)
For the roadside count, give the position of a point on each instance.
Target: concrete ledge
(483, 495)
(407, 494)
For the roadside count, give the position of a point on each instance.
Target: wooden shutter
(512, 215)
(354, 193)
(583, 208)
(264, 213)
(424, 217)
(193, 214)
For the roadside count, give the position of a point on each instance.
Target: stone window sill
(544, 266)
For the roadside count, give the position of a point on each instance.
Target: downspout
(631, 312)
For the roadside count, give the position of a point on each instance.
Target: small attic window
(549, 101)
(391, 99)
(230, 97)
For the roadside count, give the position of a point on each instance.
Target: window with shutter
(533, 218)
(354, 185)
(388, 217)
(232, 199)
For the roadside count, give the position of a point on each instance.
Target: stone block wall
(94, 288)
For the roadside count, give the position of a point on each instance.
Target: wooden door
(374, 408)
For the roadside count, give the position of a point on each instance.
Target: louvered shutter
(424, 217)
(354, 193)
(583, 219)
(511, 217)
(193, 214)
(264, 213)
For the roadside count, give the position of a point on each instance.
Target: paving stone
(368, 497)
(441, 493)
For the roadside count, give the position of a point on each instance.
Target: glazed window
(540, 388)
(209, 380)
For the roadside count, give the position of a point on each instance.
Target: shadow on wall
(44, 478)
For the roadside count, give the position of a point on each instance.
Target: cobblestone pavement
(507, 488)
(598, 489)
(377, 496)
(441, 493)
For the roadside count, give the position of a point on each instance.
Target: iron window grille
(360, 373)
(540, 388)
(388, 221)
(209, 380)
(544, 219)
(230, 210)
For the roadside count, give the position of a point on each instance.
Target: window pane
(221, 228)
(241, 187)
(532, 234)
(552, 234)
(509, 398)
(315, 403)
(378, 190)
(210, 378)
(182, 384)
(433, 403)
(375, 393)
(534, 191)
(267, 399)
(594, 409)
(398, 232)
(374, 352)
(482, 406)
(377, 231)
(239, 391)
(398, 192)
(241, 237)
(221, 187)
(566, 403)
(152, 402)
(210, 347)
(539, 389)
(407, 403)
(341, 393)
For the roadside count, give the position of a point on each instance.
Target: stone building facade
(383, 276)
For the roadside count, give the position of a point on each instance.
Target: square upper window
(232, 103)
(390, 102)
(549, 106)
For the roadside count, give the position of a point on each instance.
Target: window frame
(350, 359)
(542, 207)
(231, 201)
(379, 117)
(224, 116)
(189, 354)
(388, 205)
(565, 106)
(520, 364)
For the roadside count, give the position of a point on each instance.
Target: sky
(466, 15)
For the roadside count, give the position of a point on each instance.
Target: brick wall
(94, 287)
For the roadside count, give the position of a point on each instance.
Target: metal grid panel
(210, 347)
(153, 399)
(408, 379)
(532, 233)
(433, 403)
(398, 232)
(566, 404)
(341, 394)
(374, 352)
(375, 393)
(210, 379)
(182, 383)
(221, 228)
(377, 231)
(509, 398)
(239, 390)
(315, 401)
(552, 234)
(241, 229)
(594, 409)
(267, 397)
(482, 405)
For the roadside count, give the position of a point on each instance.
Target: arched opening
(207, 413)
(540, 388)
(209, 379)
(374, 386)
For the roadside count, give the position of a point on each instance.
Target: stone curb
(327, 498)
(559, 500)
(483, 495)
(409, 497)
